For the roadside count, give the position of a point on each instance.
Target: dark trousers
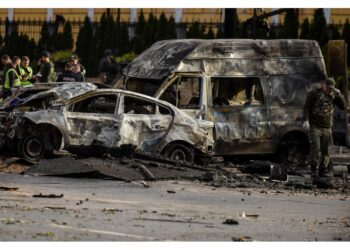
(320, 139)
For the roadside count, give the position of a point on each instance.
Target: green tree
(334, 32)
(210, 34)
(196, 30)
(274, 28)
(138, 40)
(171, 28)
(151, 30)
(84, 45)
(1, 43)
(45, 41)
(346, 36)
(291, 25)
(12, 44)
(219, 33)
(105, 37)
(161, 33)
(231, 24)
(26, 46)
(305, 29)
(318, 28)
(67, 41)
(124, 46)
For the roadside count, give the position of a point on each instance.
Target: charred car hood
(64, 92)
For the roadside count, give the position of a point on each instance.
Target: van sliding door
(240, 113)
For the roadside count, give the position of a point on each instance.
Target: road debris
(175, 221)
(149, 175)
(242, 238)
(3, 188)
(230, 222)
(55, 208)
(144, 184)
(51, 196)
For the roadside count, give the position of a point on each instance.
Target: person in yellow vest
(26, 72)
(12, 80)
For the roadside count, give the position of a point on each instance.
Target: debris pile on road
(143, 167)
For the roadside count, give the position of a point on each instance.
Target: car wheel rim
(178, 155)
(33, 147)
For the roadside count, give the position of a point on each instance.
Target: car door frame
(152, 146)
(112, 125)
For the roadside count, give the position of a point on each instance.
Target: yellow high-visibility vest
(29, 76)
(17, 81)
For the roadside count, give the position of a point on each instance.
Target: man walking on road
(318, 114)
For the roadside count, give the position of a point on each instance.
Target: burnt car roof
(68, 91)
(227, 57)
(35, 88)
(65, 91)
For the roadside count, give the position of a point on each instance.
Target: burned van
(253, 90)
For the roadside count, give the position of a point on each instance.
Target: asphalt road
(106, 210)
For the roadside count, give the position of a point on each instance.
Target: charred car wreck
(252, 90)
(78, 116)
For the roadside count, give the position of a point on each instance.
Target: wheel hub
(178, 155)
(34, 147)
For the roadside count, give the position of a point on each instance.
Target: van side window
(184, 92)
(236, 91)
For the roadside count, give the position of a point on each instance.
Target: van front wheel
(293, 153)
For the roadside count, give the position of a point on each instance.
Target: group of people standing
(17, 72)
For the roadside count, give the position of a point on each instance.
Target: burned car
(78, 116)
(252, 90)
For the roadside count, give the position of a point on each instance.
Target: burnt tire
(293, 152)
(31, 148)
(179, 152)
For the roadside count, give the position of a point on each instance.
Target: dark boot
(313, 170)
(324, 172)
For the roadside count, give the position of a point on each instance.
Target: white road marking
(88, 230)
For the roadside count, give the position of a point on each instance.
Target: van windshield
(236, 91)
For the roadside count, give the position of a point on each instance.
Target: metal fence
(32, 28)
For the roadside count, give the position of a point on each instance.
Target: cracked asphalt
(109, 210)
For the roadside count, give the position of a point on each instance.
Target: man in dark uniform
(6, 65)
(47, 69)
(68, 75)
(318, 113)
(78, 68)
(108, 68)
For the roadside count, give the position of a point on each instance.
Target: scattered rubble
(230, 222)
(147, 168)
(40, 195)
(3, 188)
